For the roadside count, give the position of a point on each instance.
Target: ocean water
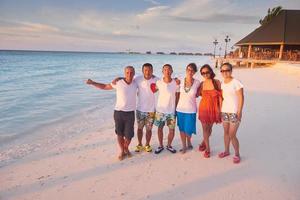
(44, 98)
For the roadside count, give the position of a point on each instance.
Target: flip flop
(223, 154)
(206, 154)
(236, 159)
(202, 146)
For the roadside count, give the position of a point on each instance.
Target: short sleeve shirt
(125, 95)
(146, 98)
(230, 98)
(187, 101)
(167, 96)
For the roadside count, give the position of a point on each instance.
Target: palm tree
(271, 13)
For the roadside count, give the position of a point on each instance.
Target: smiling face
(189, 72)
(226, 71)
(148, 72)
(167, 71)
(206, 73)
(129, 73)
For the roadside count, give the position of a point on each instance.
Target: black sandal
(170, 148)
(158, 150)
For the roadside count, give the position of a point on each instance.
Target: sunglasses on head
(225, 70)
(205, 73)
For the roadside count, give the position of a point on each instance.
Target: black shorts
(124, 123)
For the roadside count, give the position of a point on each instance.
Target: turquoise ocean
(44, 99)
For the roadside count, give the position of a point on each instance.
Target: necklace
(186, 88)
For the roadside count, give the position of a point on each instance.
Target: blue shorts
(186, 122)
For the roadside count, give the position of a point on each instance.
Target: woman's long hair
(212, 75)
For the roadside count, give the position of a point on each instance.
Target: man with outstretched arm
(124, 108)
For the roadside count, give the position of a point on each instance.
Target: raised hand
(89, 82)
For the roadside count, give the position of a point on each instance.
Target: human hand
(239, 115)
(177, 81)
(89, 82)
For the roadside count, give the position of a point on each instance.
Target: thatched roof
(282, 29)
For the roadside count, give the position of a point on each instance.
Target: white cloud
(153, 12)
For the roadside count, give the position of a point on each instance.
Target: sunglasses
(205, 73)
(225, 70)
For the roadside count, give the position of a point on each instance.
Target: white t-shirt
(187, 101)
(166, 97)
(126, 96)
(230, 98)
(146, 98)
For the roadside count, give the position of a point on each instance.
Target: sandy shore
(86, 167)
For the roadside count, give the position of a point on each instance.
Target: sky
(129, 25)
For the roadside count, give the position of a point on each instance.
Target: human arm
(99, 85)
(240, 94)
(199, 90)
(114, 82)
(177, 94)
(219, 89)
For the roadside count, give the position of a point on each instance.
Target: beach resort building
(275, 41)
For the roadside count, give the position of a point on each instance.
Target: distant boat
(159, 52)
(148, 52)
(173, 53)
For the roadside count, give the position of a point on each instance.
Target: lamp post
(220, 49)
(227, 39)
(215, 43)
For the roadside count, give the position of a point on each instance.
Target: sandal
(223, 154)
(148, 148)
(202, 146)
(158, 150)
(190, 147)
(206, 154)
(236, 159)
(170, 148)
(138, 148)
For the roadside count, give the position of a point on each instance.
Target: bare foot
(129, 155)
(183, 150)
(121, 156)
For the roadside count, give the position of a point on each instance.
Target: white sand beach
(86, 167)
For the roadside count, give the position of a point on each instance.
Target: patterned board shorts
(145, 119)
(162, 118)
(229, 117)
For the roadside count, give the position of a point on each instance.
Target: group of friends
(221, 102)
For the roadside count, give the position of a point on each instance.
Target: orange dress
(209, 107)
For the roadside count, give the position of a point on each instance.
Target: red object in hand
(153, 87)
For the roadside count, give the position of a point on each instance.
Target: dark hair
(147, 65)
(193, 66)
(212, 75)
(228, 64)
(207, 66)
(168, 65)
